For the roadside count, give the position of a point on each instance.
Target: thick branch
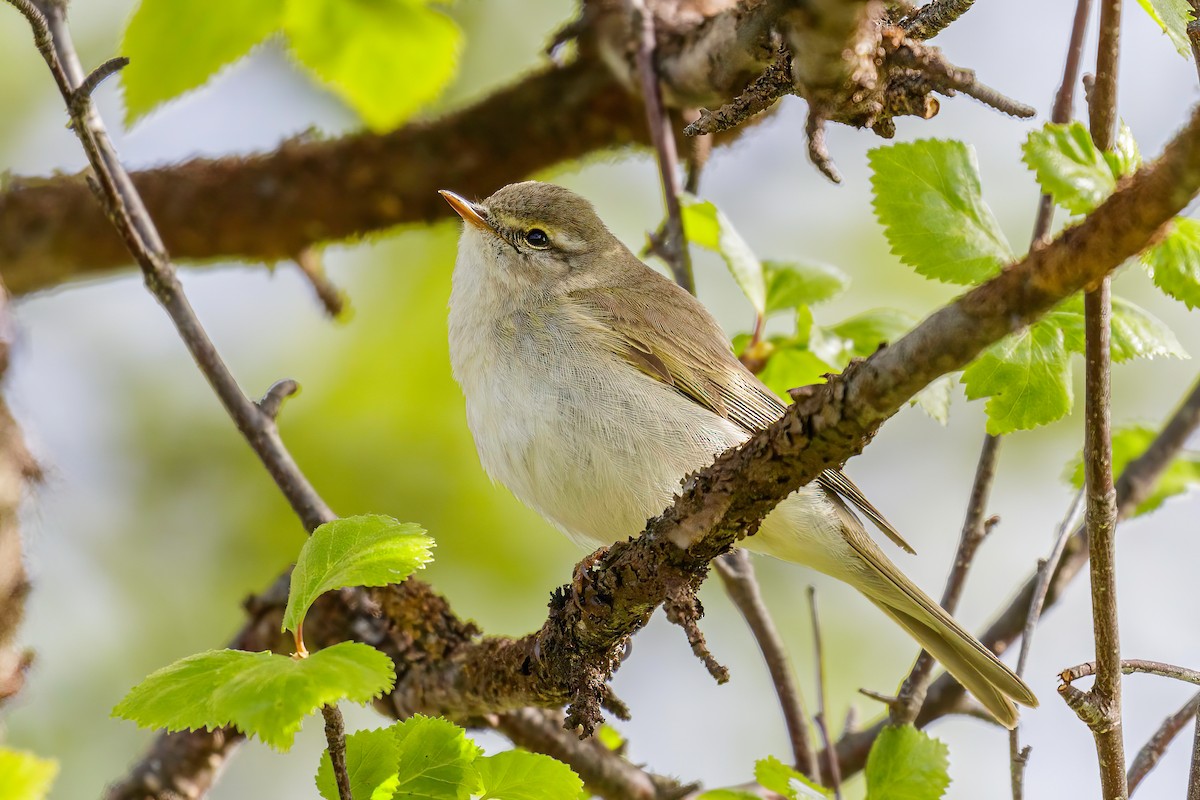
(273, 206)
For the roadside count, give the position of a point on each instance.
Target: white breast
(583, 438)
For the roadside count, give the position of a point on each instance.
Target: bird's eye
(537, 238)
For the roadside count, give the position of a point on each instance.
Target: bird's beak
(472, 213)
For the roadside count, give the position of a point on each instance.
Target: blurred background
(155, 520)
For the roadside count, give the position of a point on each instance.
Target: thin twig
(335, 735)
(1129, 666)
(833, 777)
(1046, 568)
(975, 528)
(1193, 790)
(125, 208)
(1062, 111)
(604, 772)
(932, 18)
(1148, 757)
(737, 574)
(775, 82)
(311, 265)
(1100, 708)
(685, 611)
(672, 247)
(1064, 101)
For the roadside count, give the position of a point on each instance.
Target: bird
(593, 385)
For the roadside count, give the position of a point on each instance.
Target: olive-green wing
(696, 360)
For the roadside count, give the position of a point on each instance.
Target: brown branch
(604, 773)
(1100, 707)
(312, 267)
(269, 207)
(1135, 485)
(1129, 666)
(831, 774)
(1046, 568)
(737, 573)
(671, 245)
(1148, 757)
(335, 737)
(975, 527)
(1060, 113)
(1193, 789)
(775, 82)
(934, 17)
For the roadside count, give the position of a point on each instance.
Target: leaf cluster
(426, 758)
(268, 695)
(928, 197)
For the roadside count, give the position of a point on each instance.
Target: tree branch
(273, 206)
(672, 246)
(1148, 757)
(737, 573)
(1100, 707)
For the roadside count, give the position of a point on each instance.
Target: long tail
(800, 532)
(963, 656)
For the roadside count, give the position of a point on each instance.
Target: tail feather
(987, 679)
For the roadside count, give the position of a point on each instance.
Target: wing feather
(699, 364)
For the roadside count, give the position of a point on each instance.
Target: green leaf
(263, 694)
(792, 285)
(778, 777)
(435, 761)
(519, 775)
(790, 366)
(385, 58)
(906, 764)
(860, 336)
(1172, 16)
(371, 758)
(24, 776)
(177, 45)
(1174, 263)
(1026, 378)
(929, 201)
(1181, 475)
(706, 226)
(369, 550)
(1136, 333)
(1068, 166)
